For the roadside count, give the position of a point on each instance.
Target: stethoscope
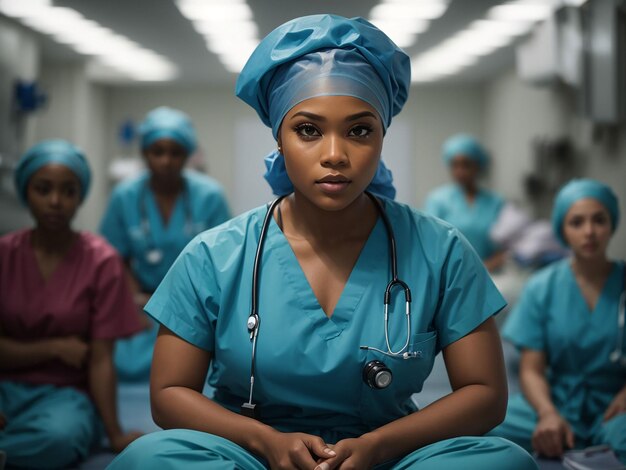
(617, 355)
(375, 373)
(154, 255)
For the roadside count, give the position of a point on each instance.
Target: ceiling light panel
(227, 26)
(67, 26)
(502, 25)
(404, 20)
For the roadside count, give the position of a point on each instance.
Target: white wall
(436, 113)
(19, 59)
(77, 112)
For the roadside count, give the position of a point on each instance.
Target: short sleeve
(113, 227)
(468, 297)
(115, 314)
(525, 326)
(187, 300)
(219, 211)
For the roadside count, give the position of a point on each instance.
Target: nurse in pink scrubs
(63, 301)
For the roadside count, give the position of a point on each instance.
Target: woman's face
(165, 159)
(53, 196)
(587, 228)
(332, 146)
(464, 170)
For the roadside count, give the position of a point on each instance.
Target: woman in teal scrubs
(464, 204)
(152, 217)
(328, 87)
(573, 363)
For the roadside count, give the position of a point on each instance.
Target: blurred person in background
(569, 326)
(463, 203)
(151, 217)
(64, 300)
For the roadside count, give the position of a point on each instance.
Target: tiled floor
(135, 408)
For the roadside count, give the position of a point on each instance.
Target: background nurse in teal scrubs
(328, 87)
(152, 217)
(572, 371)
(464, 204)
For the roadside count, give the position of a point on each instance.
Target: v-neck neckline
(469, 206)
(152, 200)
(60, 265)
(607, 282)
(302, 292)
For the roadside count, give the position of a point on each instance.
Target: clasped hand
(308, 452)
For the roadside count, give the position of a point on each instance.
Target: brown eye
(601, 219)
(307, 131)
(360, 131)
(71, 191)
(575, 222)
(42, 189)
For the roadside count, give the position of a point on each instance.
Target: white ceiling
(159, 25)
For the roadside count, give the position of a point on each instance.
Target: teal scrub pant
(193, 450)
(133, 356)
(47, 426)
(521, 420)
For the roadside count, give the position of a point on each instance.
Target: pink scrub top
(86, 296)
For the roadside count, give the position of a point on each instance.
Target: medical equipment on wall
(375, 373)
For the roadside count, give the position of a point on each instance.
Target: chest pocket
(381, 406)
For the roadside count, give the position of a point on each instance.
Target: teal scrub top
(552, 316)
(201, 206)
(308, 366)
(473, 220)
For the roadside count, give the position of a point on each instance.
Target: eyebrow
(317, 117)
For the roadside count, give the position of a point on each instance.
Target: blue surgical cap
(466, 145)
(168, 123)
(583, 189)
(60, 152)
(324, 55)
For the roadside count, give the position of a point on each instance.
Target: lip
(590, 246)
(333, 178)
(333, 184)
(53, 217)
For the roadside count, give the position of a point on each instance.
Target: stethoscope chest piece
(154, 256)
(618, 357)
(377, 375)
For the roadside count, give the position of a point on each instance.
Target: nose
(54, 198)
(589, 228)
(333, 153)
(166, 161)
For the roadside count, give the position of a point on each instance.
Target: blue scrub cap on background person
(466, 145)
(168, 123)
(583, 189)
(60, 152)
(324, 55)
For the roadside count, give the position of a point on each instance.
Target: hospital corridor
(313, 235)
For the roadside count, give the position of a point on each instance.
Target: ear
(279, 141)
